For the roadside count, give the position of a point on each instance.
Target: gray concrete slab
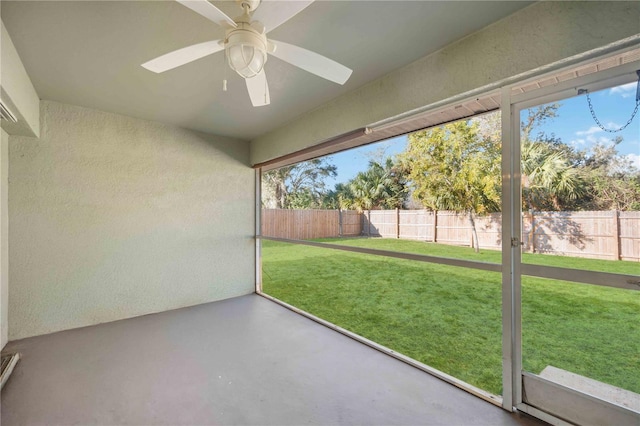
(240, 361)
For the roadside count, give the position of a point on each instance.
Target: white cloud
(602, 140)
(635, 160)
(590, 131)
(590, 141)
(577, 143)
(626, 90)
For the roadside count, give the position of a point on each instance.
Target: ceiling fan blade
(209, 11)
(183, 56)
(258, 89)
(312, 62)
(273, 13)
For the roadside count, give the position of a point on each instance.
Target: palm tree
(380, 186)
(547, 177)
(363, 195)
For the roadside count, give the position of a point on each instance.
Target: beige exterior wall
(534, 40)
(113, 217)
(4, 238)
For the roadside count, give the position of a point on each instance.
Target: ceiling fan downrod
(248, 5)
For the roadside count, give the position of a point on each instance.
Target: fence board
(629, 225)
(489, 229)
(300, 224)
(416, 225)
(453, 228)
(382, 223)
(351, 223)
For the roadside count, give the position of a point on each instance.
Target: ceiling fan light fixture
(246, 52)
(246, 46)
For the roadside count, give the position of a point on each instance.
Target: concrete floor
(240, 361)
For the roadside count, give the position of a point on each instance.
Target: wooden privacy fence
(444, 227)
(611, 235)
(597, 234)
(308, 224)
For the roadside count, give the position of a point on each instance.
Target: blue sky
(613, 107)
(574, 126)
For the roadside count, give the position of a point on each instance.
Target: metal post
(511, 232)
(258, 230)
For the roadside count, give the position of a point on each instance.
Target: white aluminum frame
(577, 406)
(258, 230)
(510, 255)
(511, 267)
(513, 105)
(485, 266)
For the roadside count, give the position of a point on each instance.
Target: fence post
(435, 226)
(533, 231)
(617, 249)
(340, 222)
(397, 222)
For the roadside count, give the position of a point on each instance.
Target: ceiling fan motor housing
(246, 50)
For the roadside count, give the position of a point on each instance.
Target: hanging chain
(593, 113)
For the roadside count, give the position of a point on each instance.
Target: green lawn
(450, 317)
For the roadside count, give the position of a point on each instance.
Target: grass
(450, 317)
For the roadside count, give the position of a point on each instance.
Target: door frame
(575, 405)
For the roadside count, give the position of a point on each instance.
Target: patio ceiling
(89, 54)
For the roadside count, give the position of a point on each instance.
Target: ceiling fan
(246, 45)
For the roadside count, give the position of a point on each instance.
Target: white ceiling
(88, 53)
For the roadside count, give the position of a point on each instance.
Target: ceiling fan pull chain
(595, 118)
(224, 67)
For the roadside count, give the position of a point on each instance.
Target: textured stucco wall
(4, 238)
(16, 90)
(113, 217)
(536, 39)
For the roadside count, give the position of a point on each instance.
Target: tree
(300, 186)
(551, 178)
(535, 118)
(365, 191)
(613, 182)
(556, 176)
(388, 182)
(382, 186)
(452, 168)
(338, 197)
(549, 181)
